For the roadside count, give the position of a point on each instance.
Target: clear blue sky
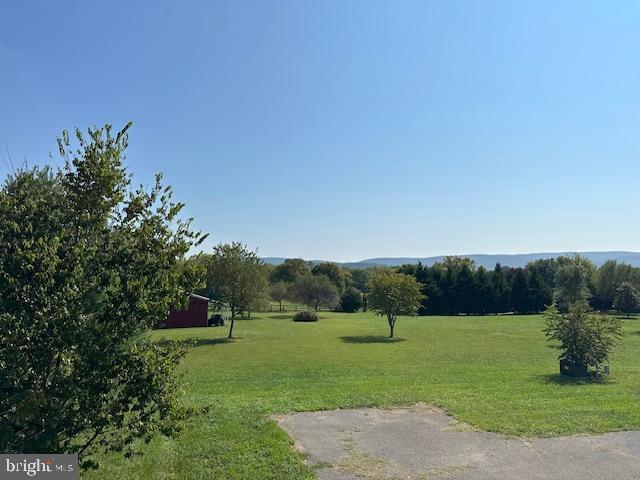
(345, 130)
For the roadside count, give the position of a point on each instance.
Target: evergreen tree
(483, 292)
(543, 273)
(500, 290)
(520, 291)
(540, 295)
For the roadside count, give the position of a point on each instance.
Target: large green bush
(582, 336)
(351, 300)
(87, 266)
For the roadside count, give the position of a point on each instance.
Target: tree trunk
(392, 324)
(231, 328)
(280, 302)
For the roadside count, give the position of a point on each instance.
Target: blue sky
(345, 130)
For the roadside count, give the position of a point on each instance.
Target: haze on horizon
(621, 256)
(351, 130)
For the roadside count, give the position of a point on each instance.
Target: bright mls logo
(45, 467)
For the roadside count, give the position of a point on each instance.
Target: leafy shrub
(351, 300)
(87, 266)
(305, 316)
(582, 336)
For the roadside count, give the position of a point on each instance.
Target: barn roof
(199, 297)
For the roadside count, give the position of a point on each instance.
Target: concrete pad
(423, 442)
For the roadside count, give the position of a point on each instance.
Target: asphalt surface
(423, 442)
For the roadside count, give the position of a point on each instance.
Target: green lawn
(495, 373)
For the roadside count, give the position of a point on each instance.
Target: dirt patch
(422, 442)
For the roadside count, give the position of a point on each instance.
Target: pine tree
(520, 291)
(500, 290)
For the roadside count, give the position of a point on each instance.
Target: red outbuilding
(194, 316)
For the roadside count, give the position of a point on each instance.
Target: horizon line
(554, 252)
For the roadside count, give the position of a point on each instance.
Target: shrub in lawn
(305, 316)
(351, 300)
(583, 337)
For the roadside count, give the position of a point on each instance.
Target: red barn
(194, 316)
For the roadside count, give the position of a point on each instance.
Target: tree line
(457, 286)
(236, 279)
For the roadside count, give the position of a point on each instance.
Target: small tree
(500, 289)
(627, 299)
(583, 337)
(87, 266)
(235, 279)
(520, 291)
(278, 293)
(351, 300)
(315, 291)
(392, 294)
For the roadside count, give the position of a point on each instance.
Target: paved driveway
(423, 442)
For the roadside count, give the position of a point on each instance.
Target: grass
(495, 373)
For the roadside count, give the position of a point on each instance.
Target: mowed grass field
(496, 373)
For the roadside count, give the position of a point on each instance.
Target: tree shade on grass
(496, 373)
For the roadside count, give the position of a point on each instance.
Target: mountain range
(486, 260)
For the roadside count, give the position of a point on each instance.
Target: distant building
(194, 316)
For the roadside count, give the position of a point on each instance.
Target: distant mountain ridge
(486, 260)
